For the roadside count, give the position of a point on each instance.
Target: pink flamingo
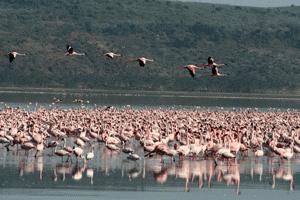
(192, 69)
(214, 70)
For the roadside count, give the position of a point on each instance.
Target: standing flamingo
(12, 55)
(133, 156)
(71, 52)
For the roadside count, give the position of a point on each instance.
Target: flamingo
(259, 152)
(52, 143)
(288, 154)
(192, 69)
(211, 63)
(111, 55)
(183, 150)
(127, 150)
(163, 149)
(90, 155)
(113, 147)
(27, 146)
(12, 55)
(61, 153)
(133, 156)
(225, 152)
(4, 140)
(71, 52)
(67, 148)
(39, 148)
(78, 152)
(79, 142)
(195, 149)
(142, 61)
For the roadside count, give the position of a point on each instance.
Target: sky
(255, 3)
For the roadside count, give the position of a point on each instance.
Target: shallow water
(53, 194)
(112, 176)
(109, 173)
(91, 98)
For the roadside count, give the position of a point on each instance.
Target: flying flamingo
(111, 55)
(214, 70)
(71, 52)
(142, 61)
(12, 55)
(192, 69)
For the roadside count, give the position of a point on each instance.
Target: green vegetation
(261, 46)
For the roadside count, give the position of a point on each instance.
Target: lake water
(112, 176)
(218, 101)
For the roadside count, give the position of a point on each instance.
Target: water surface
(148, 99)
(111, 176)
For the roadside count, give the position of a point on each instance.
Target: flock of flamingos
(218, 138)
(221, 139)
(141, 60)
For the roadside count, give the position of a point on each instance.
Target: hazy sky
(256, 3)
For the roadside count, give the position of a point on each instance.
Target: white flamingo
(90, 155)
(142, 61)
(12, 55)
(71, 52)
(133, 156)
(111, 55)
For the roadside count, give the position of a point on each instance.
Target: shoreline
(187, 94)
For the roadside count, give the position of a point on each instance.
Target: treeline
(261, 46)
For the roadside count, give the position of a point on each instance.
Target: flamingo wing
(11, 57)
(191, 70)
(141, 63)
(109, 55)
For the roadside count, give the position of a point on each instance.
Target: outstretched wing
(141, 63)
(109, 55)
(191, 70)
(11, 57)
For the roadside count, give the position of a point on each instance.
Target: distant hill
(261, 46)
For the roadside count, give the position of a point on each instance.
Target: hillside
(261, 46)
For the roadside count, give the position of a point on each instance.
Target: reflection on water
(112, 171)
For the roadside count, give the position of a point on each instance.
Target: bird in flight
(111, 55)
(71, 52)
(142, 61)
(13, 54)
(192, 69)
(214, 69)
